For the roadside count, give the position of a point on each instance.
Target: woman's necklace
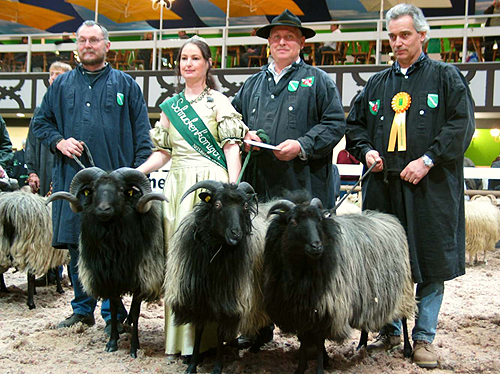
(199, 97)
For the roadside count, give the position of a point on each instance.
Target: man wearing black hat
(299, 108)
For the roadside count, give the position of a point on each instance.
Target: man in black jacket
(298, 106)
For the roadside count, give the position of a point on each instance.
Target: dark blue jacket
(109, 116)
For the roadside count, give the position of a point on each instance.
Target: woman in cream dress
(189, 167)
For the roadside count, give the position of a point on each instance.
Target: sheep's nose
(233, 236)
(315, 249)
(104, 208)
(317, 246)
(104, 211)
(236, 233)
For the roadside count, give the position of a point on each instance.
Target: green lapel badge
(432, 100)
(374, 106)
(293, 86)
(307, 82)
(119, 98)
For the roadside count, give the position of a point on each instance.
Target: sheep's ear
(206, 197)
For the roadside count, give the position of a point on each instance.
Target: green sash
(191, 127)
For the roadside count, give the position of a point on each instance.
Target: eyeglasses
(92, 41)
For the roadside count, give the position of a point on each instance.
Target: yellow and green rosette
(400, 104)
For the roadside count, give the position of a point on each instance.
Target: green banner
(191, 127)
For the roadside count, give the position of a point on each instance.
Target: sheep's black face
(105, 197)
(304, 232)
(231, 215)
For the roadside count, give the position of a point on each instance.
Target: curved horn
(246, 187)
(144, 203)
(317, 203)
(281, 205)
(9, 184)
(84, 177)
(210, 185)
(74, 203)
(135, 177)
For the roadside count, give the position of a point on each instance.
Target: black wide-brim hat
(286, 18)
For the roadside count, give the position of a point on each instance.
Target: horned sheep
(324, 275)
(215, 263)
(122, 249)
(26, 237)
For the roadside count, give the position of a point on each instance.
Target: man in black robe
(416, 119)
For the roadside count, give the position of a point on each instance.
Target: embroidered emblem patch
(293, 86)
(119, 98)
(432, 100)
(307, 82)
(374, 106)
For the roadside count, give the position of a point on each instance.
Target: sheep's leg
(406, 339)
(264, 336)
(69, 275)
(220, 346)
(302, 357)
(59, 288)
(112, 345)
(195, 357)
(326, 359)
(31, 290)
(363, 340)
(321, 351)
(485, 262)
(3, 287)
(133, 317)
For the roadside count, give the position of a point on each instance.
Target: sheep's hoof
(112, 346)
(407, 352)
(191, 369)
(31, 305)
(133, 353)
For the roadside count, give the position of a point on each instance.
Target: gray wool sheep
(26, 238)
(325, 275)
(482, 226)
(214, 265)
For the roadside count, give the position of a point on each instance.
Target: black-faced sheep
(26, 237)
(324, 275)
(214, 265)
(482, 226)
(121, 241)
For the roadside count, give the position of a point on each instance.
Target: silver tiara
(196, 37)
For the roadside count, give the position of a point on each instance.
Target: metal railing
(225, 37)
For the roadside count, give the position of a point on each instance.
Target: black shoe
(119, 327)
(75, 318)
